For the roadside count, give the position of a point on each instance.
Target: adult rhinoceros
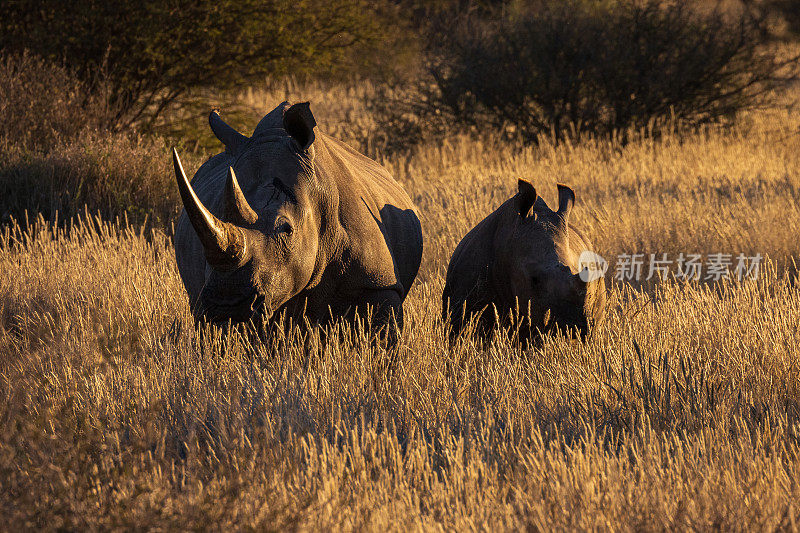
(293, 220)
(523, 260)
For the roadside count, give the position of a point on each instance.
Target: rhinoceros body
(523, 261)
(294, 221)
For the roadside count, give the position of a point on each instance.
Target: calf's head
(540, 265)
(261, 252)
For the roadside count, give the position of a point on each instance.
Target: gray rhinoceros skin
(523, 260)
(309, 227)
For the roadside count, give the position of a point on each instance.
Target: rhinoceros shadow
(404, 243)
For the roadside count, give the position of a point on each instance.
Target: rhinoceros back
(365, 185)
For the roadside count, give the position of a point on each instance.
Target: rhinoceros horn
(223, 242)
(231, 138)
(237, 210)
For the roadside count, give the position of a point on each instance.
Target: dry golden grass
(681, 412)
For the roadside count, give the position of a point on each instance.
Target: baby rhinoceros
(520, 267)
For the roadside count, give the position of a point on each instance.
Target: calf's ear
(526, 197)
(566, 199)
(299, 122)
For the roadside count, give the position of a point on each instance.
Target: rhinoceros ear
(299, 122)
(526, 197)
(231, 138)
(566, 199)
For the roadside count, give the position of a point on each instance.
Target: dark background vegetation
(144, 56)
(88, 88)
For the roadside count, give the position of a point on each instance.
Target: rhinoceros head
(261, 252)
(540, 265)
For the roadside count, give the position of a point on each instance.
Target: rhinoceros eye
(283, 227)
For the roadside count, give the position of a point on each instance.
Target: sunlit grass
(682, 411)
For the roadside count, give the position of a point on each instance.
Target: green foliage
(145, 55)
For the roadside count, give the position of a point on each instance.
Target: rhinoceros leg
(387, 310)
(387, 323)
(385, 307)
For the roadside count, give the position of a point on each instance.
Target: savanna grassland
(682, 411)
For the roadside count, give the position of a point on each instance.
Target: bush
(43, 103)
(771, 13)
(790, 11)
(407, 115)
(581, 66)
(111, 175)
(153, 52)
(57, 156)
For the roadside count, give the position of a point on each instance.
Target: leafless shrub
(567, 68)
(43, 102)
(57, 154)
